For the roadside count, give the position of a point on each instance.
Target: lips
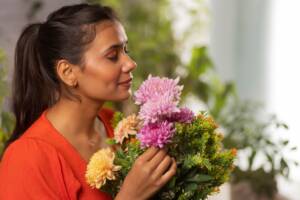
(126, 82)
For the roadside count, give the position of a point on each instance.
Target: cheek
(101, 81)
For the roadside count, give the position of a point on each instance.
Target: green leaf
(200, 62)
(172, 182)
(270, 159)
(284, 168)
(251, 158)
(270, 142)
(294, 148)
(110, 141)
(191, 187)
(285, 142)
(199, 178)
(118, 116)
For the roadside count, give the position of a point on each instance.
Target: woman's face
(107, 66)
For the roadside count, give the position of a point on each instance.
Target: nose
(129, 64)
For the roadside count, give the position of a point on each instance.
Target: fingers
(149, 154)
(163, 166)
(168, 174)
(157, 159)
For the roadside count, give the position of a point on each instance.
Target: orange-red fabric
(43, 165)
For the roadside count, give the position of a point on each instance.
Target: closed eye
(126, 50)
(113, 55)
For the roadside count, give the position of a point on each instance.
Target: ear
(66, 72)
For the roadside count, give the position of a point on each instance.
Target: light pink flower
(153, 111)
(155, 88)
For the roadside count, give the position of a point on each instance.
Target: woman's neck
(74, 118)
(79, 124)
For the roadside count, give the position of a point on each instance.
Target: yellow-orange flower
(216, 189)
(126, 127)
(234, 151)
(101, 168)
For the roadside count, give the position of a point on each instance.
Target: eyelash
(115, 58)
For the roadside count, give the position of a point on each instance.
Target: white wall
(238, 44)
(284, 68)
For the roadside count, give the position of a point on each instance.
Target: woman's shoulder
(35, 167)
(29, 149)
(28, 153)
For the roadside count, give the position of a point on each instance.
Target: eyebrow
(116, 46)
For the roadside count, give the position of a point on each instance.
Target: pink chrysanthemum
(155, 87)
(156, 135)
(153, 111)
(185, 115)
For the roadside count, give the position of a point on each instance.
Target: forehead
(108, 33)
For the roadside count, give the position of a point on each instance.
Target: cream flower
(101, 168)
(126, 127)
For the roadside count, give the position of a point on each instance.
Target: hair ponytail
(65, 35)
(30, 94)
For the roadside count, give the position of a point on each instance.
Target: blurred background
(238, 60)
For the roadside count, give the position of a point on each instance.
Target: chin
(123, 97)
(126, 97)
(119, 95)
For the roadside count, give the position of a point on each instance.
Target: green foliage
(250, 131)
(6, 118)
(262, 182)
(245, 126)
(118, 116)
(202, 164)
(194, 81)
(125, 159)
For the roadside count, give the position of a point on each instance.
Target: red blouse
(43, 165)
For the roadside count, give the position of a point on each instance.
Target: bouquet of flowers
(193, 140)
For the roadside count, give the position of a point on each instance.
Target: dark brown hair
(65, 35)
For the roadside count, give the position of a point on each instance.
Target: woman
(65, 69)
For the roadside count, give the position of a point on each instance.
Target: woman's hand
(151, 171)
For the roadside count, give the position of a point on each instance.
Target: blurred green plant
(254, 135)
(6, 118)
(245, 124)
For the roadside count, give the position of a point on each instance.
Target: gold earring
(75, 84)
